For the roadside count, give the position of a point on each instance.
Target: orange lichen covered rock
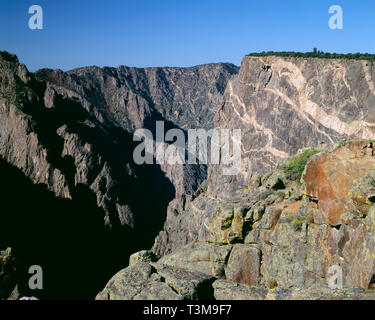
(329, 177)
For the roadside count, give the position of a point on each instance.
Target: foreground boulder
(201, 257)
(244, 265)
(143, 281)
(137, 282)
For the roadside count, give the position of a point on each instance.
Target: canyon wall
(282, 105)
(66, 147)
(67, 139)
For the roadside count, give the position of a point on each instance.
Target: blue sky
(145, 33)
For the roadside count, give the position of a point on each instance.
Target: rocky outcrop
(244, 264)
(201, 257)
(330, 177)
(143, 281)
(225, 290)
(286, 241)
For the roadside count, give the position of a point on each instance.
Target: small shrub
(289, 217)
(297, 223)
(280, 196)
(344, 141)
(296, 164)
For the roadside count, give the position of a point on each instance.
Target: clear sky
(145, 33)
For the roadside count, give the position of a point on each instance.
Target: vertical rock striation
(71, 135)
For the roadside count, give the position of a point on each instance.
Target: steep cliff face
(281, 105)
(285, 104)
(68, 138)
(186, 97)
(72, 170)
(66, 145)
(133, 98)
(266, 229)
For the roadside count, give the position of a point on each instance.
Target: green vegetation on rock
(297, 223)
(296, 164)
(315, 54)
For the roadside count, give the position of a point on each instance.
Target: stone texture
(363, 192)
(201, 257)
(137, 282)
(244, 265)
(184, 217)
(142, 281)
(141, 256)
(321, 293)
(226, 290)
(190, 285)
(283, 105)
(227, 227)
(359, 257)
(329, 177)
(232, 291)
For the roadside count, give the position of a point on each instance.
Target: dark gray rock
(70, 135)
(8, 273)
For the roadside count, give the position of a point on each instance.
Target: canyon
(188, 231)
(66, 149)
